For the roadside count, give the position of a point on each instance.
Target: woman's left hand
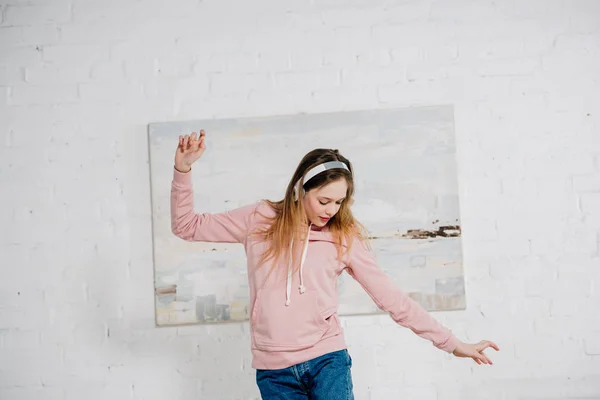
(475, 351)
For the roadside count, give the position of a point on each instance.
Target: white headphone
(316, 171)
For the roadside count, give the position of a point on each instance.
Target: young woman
(296, 248)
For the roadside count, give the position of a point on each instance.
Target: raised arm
(227, 227)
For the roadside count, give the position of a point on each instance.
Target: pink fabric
(309, 327)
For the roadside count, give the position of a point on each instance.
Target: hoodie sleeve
(228, 227)
(389, 298)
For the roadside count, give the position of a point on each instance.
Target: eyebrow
(327, 198)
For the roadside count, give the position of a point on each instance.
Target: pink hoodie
(290, 326)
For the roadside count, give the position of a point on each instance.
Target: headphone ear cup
(297, 188)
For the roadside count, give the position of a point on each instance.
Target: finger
(180, 141)
(194, 144)
(193, 136)
(197, 140)
(475, 355)
(186, 142)
(487, 359)
(489, 343)
(201, 139)
(484, 344)
(494, 346)
(484, 359)
(477, 360)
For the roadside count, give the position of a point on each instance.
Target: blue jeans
(323, 378)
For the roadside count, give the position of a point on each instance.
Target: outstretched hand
(475, 351)
(189, 149)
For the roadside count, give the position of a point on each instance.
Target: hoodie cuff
(450, 345)
(182, 178)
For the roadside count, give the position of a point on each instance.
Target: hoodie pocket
(277, 327)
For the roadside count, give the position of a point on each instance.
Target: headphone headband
(316, 171)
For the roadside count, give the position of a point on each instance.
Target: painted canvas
(406, 196)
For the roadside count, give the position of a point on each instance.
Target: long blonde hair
(290, 222)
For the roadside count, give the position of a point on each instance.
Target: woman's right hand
(190, 149)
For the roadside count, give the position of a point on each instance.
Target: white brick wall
(79, 81)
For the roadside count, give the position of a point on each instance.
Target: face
(323, 203)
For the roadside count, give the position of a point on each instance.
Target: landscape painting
(406, 196)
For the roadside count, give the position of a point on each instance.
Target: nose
(331, 210)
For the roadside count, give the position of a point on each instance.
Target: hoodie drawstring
(302, 288)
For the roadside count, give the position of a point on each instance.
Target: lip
(324, 219)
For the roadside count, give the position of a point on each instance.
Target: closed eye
(324, 204)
